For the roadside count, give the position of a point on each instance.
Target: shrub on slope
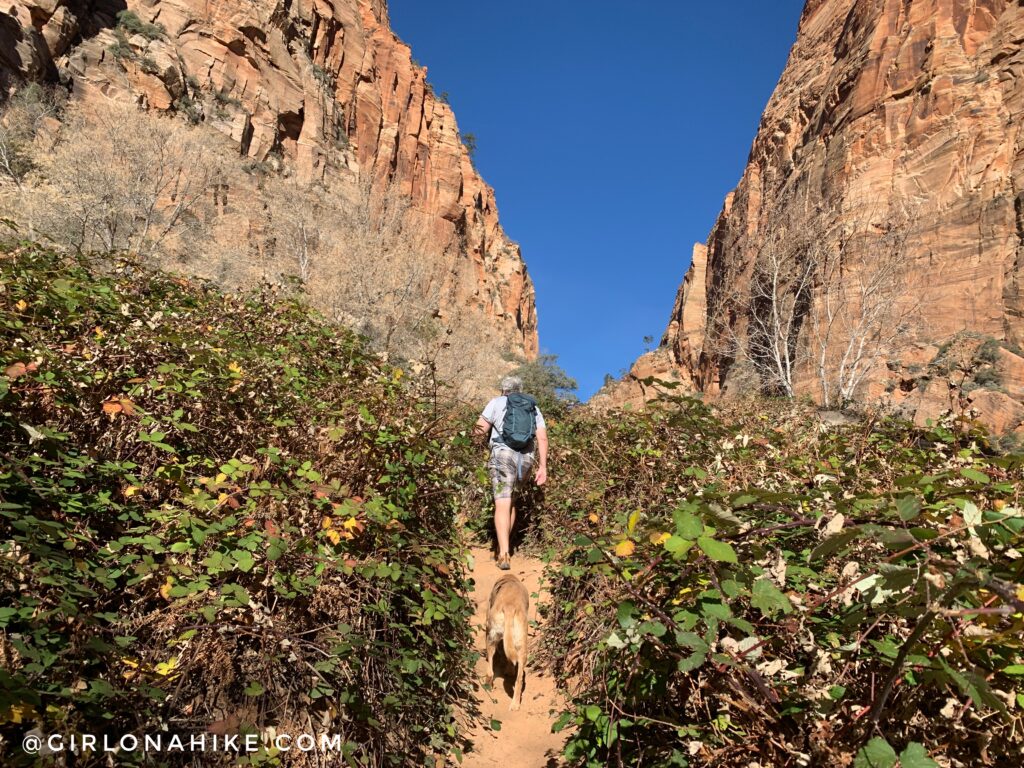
(749, 590)
(217, 514)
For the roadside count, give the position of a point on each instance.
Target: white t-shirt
(494, 414)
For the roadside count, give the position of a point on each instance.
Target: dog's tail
(514, 637)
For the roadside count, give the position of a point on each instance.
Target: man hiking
(517, 437)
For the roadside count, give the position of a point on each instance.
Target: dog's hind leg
(518, 634)
(517, 694)
(492, 646)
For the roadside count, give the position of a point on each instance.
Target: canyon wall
(890, 155)
(320, 90)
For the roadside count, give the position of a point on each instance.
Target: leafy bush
(190, 108)
(120, 48)
(545, 379)
(133, 25)
(218, 511)
(149, 66)
(748, 589)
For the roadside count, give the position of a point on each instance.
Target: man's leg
(503, 523)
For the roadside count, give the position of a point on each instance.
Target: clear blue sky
(611, 132)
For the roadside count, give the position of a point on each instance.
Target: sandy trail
(525, 739)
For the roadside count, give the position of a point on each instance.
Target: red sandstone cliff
(891, 151)
(323, 88)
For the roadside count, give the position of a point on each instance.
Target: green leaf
(624, 613)
(692, 662)
(975, 475)
(908, 507)
(677, 545)
(495, 724)
(876, 754)
(692, 640)
(769, 599)
(719, 551)
(688, 525)
(592, 712)
(835, 543)
(1014, 669)
(916, 756)
(244, 560)
(253, 689)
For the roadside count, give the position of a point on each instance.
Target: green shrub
(742, 585)
(545, 379)
(120, 47)
(469, 142)
(190, 108)
(133, 25)
(224, 98)
(219, 511)
(988, 377)
(149, 66)
(988, 352)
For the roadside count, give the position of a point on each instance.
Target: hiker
(518, 437)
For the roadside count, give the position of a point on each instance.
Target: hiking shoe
(503, 563)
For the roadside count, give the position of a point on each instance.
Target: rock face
(322, 87)
(893, 134)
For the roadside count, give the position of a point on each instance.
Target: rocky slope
(323, 89)
(893, 138)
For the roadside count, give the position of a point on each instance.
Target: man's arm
(542, 456)
(482, 428)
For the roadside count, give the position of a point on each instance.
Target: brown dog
(507, 612)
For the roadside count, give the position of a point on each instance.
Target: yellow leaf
(352, 523)
(634, 518)
(221, 477)
(235, 368)
(326, 522)
(18, 713)
(131, 490)
(99, 332)
(21, 306)
(165, 590)
(334, 536)
(625, 548)
(166, 667)
(129, 662)
(592, 517)
(1020, 592)
(660, 538)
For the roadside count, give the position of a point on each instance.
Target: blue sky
(611, 133)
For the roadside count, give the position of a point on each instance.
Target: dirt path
(525, 739)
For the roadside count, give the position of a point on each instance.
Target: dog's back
(507, 611)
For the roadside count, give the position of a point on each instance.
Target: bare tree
(827, 304)
(780, 295)
(385, 280)
(127, 180)
(862, 310)
(20, 121)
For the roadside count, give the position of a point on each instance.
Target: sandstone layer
(321, 88)
(905, 111)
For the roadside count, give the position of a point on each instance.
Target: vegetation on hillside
(748, 588)
(111, 177)
(218, 514)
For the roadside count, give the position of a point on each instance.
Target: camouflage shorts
(507, 468)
